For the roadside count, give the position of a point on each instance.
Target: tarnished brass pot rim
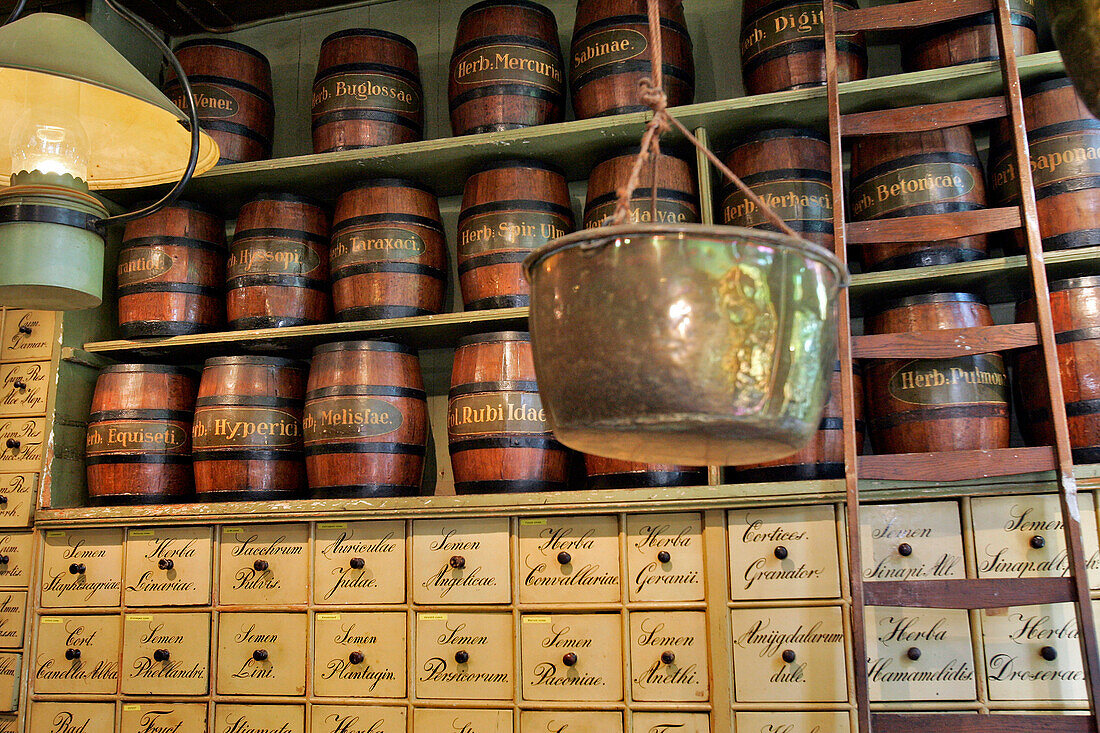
(600, 236)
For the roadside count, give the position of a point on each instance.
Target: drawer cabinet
(21, 443)
(575, 557)
(570, 722)
(1032, 653)
(671, 723)
(461, 561)
(171, 717)
(263, 564)
(82, 568)
(13, 614)
(77, 655)
(24, 388)
(17, 492)
(462, 721)
(27, 335)
(168, 566)
(359, 654)
(792, 722)
(62, 717)
(262, 653)
(572, 657)
(230, 718)
(668, 656)
(166, 654)
(359, 562)
(464, 656)
(664, 557)
(916, 541)
(919, 654)
(784, 552)
(357, 719)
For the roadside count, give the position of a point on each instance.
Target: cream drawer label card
(262, 653)
(21, 443)
(435, 720)
(1022, 537)
(668, 651)
(789, 655)
(671, 723)
(359, 654)
(1032, 653)
(357, 719)
(9, 681)
(72, 717)
(77, 654)
(917, 541)
(15, 559)
(539, 721)
(919, 654)
(168, 566)
(464, 655)
(166, 654)
(461, 561)
(359, 562)
(17, 492)
(82, 568)
(572, 657)
(264, 563)
(784, 552)
(166, 717)
(13, 615)
(569, 557)
(24, 388)
(27, 335)
(792, 722)
(259, 718)
(664, 557)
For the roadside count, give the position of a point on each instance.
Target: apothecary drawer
(359, 654)
(262, 653)
(784, 552)
(569, 559)
(81, 568)
(464, 656)
(1033, 653)
(792, 722)
(16, 550)
(77, 655)
(668, 656)
(10, 664)
(21, 443)
(461, 561)
(353, 718)
(17, 492)
(572, 657)
(914, 541)
(52, 717)
(24, 388)
(13, 617)
(553, 721)
(263, 564)
(671, 723)
(230, 717)
(168, 566)
(27, 335)
(664, 557)
(172, 717)
(918, 654)
(166, 654)
(359, 562)
(462, 721)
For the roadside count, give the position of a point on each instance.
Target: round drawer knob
(462, 657)
(356, 657)
(905, 549)
(668, 657)
(663, 557)
(1048, 653)
(260, 655)
(913, 654)
(161, 655)
(13, 443)
(3, 559)
(25, 330)
(166, 563)
(77, 568)
(1037, 542)
(19, 384)
(569, 659)
(72, 654)
(3, 500)
(564, 558)
(261, 566)
(789, 656)
(357, 563)
(781, 553)
(457, 562)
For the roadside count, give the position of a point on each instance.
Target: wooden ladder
(953, 594)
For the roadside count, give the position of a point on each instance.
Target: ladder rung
(969, 594)
(960, 465)
(924, 117)
(945, 343)
(914, 14)
(932, 227)
(975, 723)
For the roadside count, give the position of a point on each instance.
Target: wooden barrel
(823, 456)
(1075, 306)
(277, 273)
(389, 253)
(928, 405)
(1064, 139)
(611, 473)
(971, 39)
(506, 69)
(783, 46)
(612, 53)
(138, 445)
(934, 172)
(509, 208)
(366, 420)
(171, 273)
(497, 430)
(231, 84)
(247, 437)
(367, 91)
(790, 170)
(677, 201)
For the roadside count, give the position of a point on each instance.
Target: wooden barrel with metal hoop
(677, 200)
(612, 473)
(972, 39)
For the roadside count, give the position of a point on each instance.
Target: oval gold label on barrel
(375, 243)
(142, 264)
(669, 211)
(135, 436)
(512, 63)
(912, 185)
(272, 257)
(343, 418)
(605, 47)
(232, 426)
(963, 380)
(1053, 160)
(365, 91)
(211, 102)
(496, 412)
(508, 230)
(791, 200)
(789, 23)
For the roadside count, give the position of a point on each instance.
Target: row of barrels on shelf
(507, 69)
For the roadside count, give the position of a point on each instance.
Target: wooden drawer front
(1005, 528)
(169, 717)
(24, 388)
(668, 656)
(357, 719)
(186, 668)
(483, 640)
(9, 681)
(72, 717)
(77, 655)
(21, 443)
(784, 552)
(1014, 640)
(918, 541)
(264, 564)
(569, 558)
(552, 721)
(788, 722)
(16, 549)
(919, 654)
(429, 720)
(27, 335)
(815, 635)
(169, 566)
(13, 616)
(664, 557)
(595, 640)
(359, 562)
(81, 568)
(461, 561)
(259, 718)
(359, 654)
(262, 653)
(17, 492)
(671, 723)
